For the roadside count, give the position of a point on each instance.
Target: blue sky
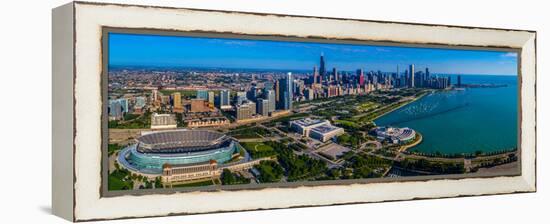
(155, 50)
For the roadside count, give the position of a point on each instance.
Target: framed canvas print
(166, 111)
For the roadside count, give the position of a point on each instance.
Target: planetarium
(395, 135)
(179, 147)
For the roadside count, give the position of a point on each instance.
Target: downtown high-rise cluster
(323, 83)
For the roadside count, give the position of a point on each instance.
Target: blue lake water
(465, 121)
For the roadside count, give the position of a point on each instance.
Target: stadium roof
(181, 141)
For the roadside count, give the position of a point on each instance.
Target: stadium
(178, 147)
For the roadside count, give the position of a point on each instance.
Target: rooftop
(163, 115)
(325, 128)
(180, 141)
(308, 122)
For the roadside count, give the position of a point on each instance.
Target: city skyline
(209, 127)
(171, 51)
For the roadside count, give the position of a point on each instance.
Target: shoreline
(435, 154)
(417, 141)
(460, 155)
(404, 104)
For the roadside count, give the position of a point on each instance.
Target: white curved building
(395, 135)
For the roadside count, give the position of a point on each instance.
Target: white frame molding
(83, 142)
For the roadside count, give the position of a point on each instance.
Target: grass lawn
(270, 171)
(257, 146)
(258, 149)
(116, 183)
(367, 106)
(250, 132)
(195, 184)
(113, 148)
(129, 116)
(143, 121)
(346, 123)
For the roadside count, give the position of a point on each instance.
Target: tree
(158, 182)
(334, 173)
(362, 172)
(227, 177)
(179, 120)
(478, 152)
(270, 171)
(344, 139)
(148, 185)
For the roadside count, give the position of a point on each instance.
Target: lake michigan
(463, 121)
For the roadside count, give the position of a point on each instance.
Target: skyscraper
(427, 73)
(335, 74)
(202, 94)
(399, 80)
(252, 106)
(271, 100)
(397, 72)
(268, 85)
(458, 81)
(332, 91)
(115, 109)
(419, 78)
(289, 90)
(322, 69)
(223, 99)
(360, 77)
(241, 97)
(252, 94)
(411, 76)
(124, 104)
(262, 107)
(309, 94)
(154, 95)
(245, 110)
(277, 92)
(315, 75)
(211, 97)
(286, 93)
(177, 106)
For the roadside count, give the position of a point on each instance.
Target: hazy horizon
(285, 70)
(140, 50)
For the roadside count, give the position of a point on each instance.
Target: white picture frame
(77, 110)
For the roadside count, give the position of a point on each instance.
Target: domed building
(395, 135)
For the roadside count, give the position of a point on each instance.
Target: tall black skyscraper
(398, 78)
(458, 81)
(322, 69)
(411, 76)
(427, 73)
